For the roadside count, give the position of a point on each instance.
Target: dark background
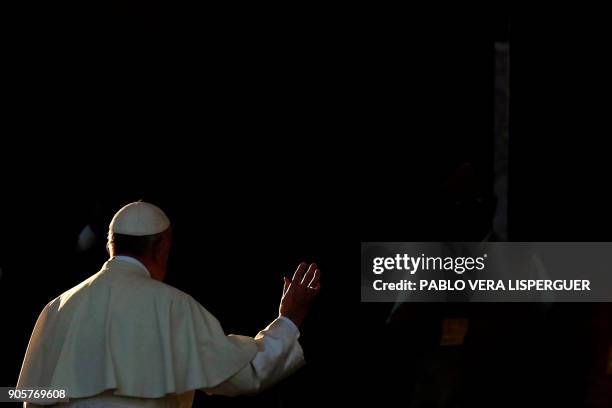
(269, 141)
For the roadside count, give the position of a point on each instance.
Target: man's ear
(158, 247)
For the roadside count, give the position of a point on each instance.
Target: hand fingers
(309, 273)
(286, 285)
(315, 278)
(317, 289)
(299, 273)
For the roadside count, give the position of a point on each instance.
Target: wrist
(296, 319)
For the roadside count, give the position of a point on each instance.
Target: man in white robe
(123, 338)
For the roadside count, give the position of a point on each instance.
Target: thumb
(286, 285)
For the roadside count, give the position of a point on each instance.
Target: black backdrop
(272, 143)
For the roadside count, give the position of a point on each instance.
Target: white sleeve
(279, 354)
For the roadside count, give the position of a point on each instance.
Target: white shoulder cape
(122, 330)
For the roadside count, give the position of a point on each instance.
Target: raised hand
(300, 292)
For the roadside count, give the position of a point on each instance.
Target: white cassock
(123, 339)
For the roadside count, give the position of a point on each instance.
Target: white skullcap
(139, 218)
